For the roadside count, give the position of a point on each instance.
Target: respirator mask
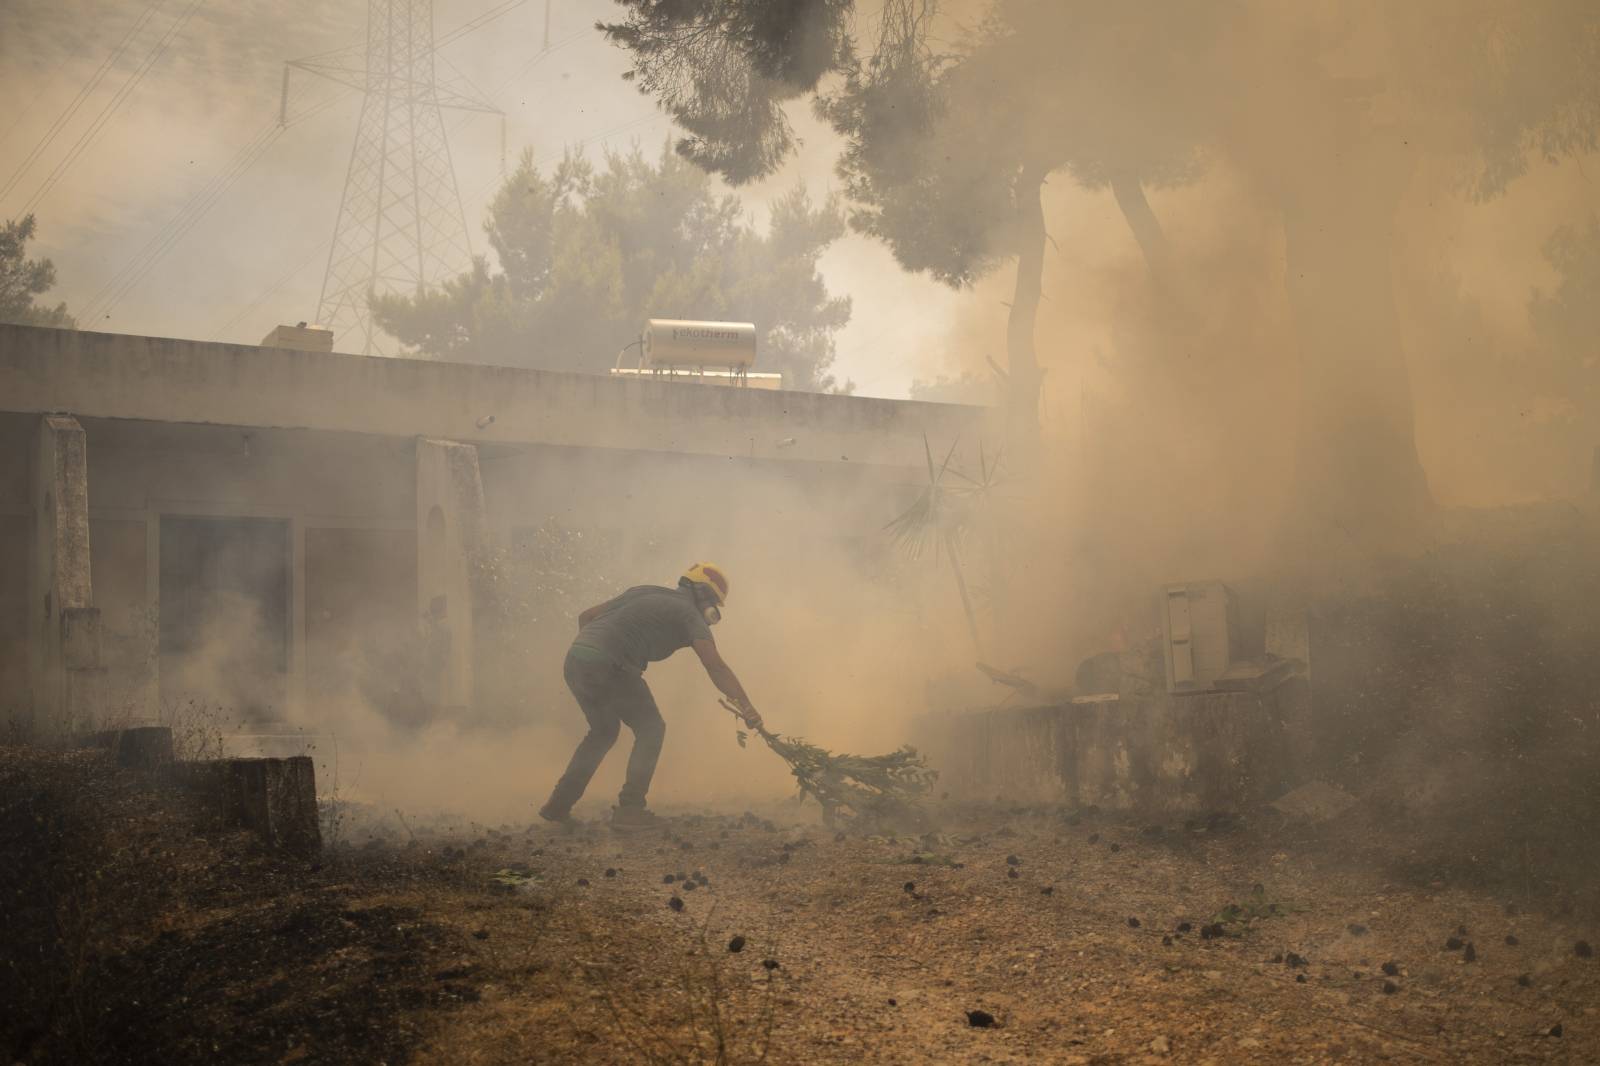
(708, 607)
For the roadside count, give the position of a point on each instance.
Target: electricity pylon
(401, 227)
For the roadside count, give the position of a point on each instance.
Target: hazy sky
(257, 257)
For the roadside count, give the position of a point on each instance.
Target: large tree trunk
(1145, 226)
(1361, 490)
(1023, 377)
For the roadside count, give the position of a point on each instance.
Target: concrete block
(147, 748)
(277, 798)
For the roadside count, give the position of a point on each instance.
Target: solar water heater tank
(673, 342)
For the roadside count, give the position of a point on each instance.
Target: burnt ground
(131, 930)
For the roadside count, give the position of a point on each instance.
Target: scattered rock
(583, 882)
(1583, 950)
(1094, 838)
(980, 1019)
(1355, 929)
(1461, 930)
(480, 934)
(769, 964)
(689, 886)
(1524, 981)
(1133, 923)
(611, 871)
(1012, 860)
(1453, 944)
(1011, 872)
(1555, 1030)
(1391, 969)
(1471, 954)
(736, 945)
(1116, 847)
(1511, 940)
(1300, 978)
(1212, 931)
(1047, 890)
(1160, 1046)
(675, 903)
(910, 887)
(667, 880)
(1292, 960)
(1390, 988)
(1184, 927)
(1166, 941)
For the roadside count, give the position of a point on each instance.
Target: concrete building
(184, 517)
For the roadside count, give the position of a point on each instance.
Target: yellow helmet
(712, 576)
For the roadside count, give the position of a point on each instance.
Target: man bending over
(605, 670)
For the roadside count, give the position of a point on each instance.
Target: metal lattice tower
(401, 227)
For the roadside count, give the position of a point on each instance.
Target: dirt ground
(135, 931)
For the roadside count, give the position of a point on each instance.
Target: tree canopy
(22, 279)
(954, 112)
(586, 254)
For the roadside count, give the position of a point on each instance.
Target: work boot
(561, 818)
(628, 819)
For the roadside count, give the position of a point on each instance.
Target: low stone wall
(1190, 753)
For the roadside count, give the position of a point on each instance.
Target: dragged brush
(863, 791)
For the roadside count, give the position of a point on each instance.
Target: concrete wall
(452, 532)
(1180, 754)
(61, 623)
(163, 380)
(353, 456)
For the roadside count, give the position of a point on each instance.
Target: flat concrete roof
(161, 379)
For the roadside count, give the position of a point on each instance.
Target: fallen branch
(872, 789)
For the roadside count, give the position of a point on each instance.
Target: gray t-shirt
(645, 625)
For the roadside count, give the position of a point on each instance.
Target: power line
(109, 111)
(482, 20)
(312, 254)
(201, 202)
(84, 92)
(195, 209)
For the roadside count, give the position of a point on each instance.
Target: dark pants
(610, 697)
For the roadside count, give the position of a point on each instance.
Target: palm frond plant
(946, 514)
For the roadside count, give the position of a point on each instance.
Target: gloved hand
(751, 716)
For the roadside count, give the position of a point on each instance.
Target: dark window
(224, 600)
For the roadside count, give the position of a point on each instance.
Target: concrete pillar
(63, 624)
(451, 538)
